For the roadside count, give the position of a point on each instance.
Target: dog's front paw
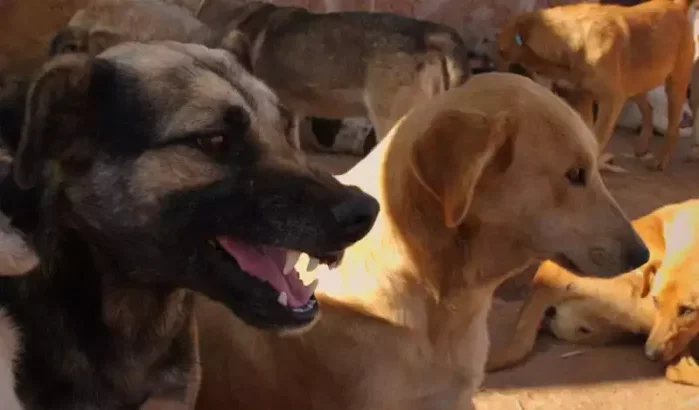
(651, 162)
(673, 374)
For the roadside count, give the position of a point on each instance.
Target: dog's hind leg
(609, 109)
(643, 138)
(522, 341)
(582, 102)
(676, 89)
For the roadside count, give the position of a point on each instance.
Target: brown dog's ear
(236, 43)
(55, 109)
(450, 157)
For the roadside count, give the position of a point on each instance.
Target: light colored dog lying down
(474, 186)
(658, 300)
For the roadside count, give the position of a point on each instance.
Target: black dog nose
(637, 256)
(356, 215)
(550, 312)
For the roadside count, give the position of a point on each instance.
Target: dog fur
(613, 53)
(597, 311)
(142, 159)
(347, 64)
(17, 257)
(104, 23)
(404, 315)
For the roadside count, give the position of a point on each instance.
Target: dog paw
(613, 168)
(673, 374)
(651, 162)
(606, 158)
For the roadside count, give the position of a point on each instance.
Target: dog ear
(67, 40)
(236, 43)
(450, 158)
(56, 107)
(100, 40)
(648, 272)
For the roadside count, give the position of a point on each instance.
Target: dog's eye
(213, 144)
(584, 330)
(685, 311)
(577, 176)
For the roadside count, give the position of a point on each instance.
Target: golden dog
(613, 53)
(467, 200)
(655, 299)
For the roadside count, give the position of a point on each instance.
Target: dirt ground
(609, 378)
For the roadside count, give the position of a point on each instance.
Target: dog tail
(455, 62)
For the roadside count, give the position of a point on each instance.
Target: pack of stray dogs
(166, 244)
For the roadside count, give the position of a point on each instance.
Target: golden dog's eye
(213, 144)
(584, 330)
(577, 176)
(685, 311)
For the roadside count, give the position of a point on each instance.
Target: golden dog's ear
(54, 115)
(648, 272)
(450, 157)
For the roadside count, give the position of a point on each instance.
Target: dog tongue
(267, 263)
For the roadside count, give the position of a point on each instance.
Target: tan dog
(404, 315)
(104, 23)
(347, 64)
(602, 311)
(613, 53)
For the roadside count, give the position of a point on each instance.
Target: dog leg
(522, 341)
(582, 102)
(609, 110)
(643, 139)
(694, 153)
(676, 89)
(685, 371)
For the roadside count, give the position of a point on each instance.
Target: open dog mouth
(275, 267)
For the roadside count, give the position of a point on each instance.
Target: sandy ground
(608, 378)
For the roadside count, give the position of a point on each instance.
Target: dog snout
(652, 352)
(637, 255)
(550, 312)
(356, 215)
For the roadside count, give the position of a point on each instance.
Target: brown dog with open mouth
(467, 200)
(161, 170)
(612, 53)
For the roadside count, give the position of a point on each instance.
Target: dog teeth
(283, 299)
(312, 264)
(292, 257)
(313, 285)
